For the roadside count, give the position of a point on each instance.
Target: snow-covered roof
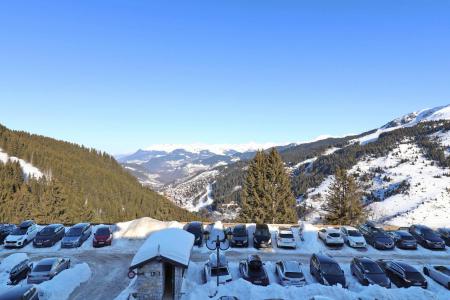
(171, 244)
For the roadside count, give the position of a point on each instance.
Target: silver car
(440, 274)
(290, 273)
(47, 268)
(213, 269)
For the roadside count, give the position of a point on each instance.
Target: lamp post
(217, 245)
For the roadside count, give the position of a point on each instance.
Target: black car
(403, 239)
(252, 269)
(19, 272)
(26, 292)
(196, 228)
(262, 237)
(369, 272)
(326, 270)
(76, 235)
(445, 235)
(426, 237)
(5, 230)
(376, 236)
(402, 274)
(49, 235)
(239, 236)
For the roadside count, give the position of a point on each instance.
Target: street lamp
(219, 244)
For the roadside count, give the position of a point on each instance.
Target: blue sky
(120, 75)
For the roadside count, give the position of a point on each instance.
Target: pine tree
(343, 203)
(266, 195)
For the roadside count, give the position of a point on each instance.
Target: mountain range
(389, 162)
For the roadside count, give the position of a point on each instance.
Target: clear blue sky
(120, 75)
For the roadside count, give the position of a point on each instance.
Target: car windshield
(354, 233)
(372, 268)
(293, 275)
(334, 234)
(255, 265)
(42, 268)
(407, 237)
(286, 235)
(416, 276)
(194, 229)
(222, 271)
(46, 231)
(239, 231)
(19, 231)
(74, 232)
(262, 232)
(331, 269)
(102, 231)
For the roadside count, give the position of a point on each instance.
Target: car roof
(366, 260)
(262, 226)
(253, 257)
(15, 292)
(324, 258)
(103, 227)
(80, 225)
(47, 261)
(240, 226)
(332, 229)
(26, 223)
(195, 224)
(291, 266)
(406, 267)
(421, 226)
(403, 233)
(349, 227)
(53, 225)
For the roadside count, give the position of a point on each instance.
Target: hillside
(77, 184)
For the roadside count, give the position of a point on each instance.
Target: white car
(212, 269)
(331, 237)
(285, 238)
(353, 237)
(22, 235)
(440, 274)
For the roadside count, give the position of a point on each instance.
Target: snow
(141, 228)
(62, 285)
(205, 200)
(28, 169)
(6, 265)
(172, 243)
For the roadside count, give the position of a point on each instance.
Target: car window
(222, 271)
(74, 231)
(293, 275)
(331, 269)
(354, 233)
(42, 268)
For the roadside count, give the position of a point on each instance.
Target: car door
(344, 234)
(359, 271)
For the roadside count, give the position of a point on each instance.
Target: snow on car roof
(172, 244)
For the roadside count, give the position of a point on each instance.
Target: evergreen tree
(343, 203)
(266, 195)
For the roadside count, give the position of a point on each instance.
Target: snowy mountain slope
(411, 119)
(28, 169)
(404, 187)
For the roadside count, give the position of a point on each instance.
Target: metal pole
(218, 260)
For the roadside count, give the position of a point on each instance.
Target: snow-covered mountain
(402, 183)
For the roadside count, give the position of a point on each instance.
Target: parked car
(5, 230)
(440, 274)
(25, 292)
(214, 269)
(239, 235)
(352, 237)
(426, 237)
(49, 235)
(19, 272)
(326, 270)
(103, 236)
(402, 274)
(403, 239)
(285, 238)
(445, 235)
(290, 273)
(369, 272)
(76, 235)
(22, 235)
(213, 231)
(196, 228)
(262, 237)
(47, 268)
(331, 237)
(252, 269)
(376, 236)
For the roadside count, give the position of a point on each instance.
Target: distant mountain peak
(219, 149)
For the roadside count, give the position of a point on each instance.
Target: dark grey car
(76, 235)
(239, 236)
(48, 268)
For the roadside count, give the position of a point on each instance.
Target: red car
(103, 236)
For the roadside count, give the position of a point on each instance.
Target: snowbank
(60, 287)
(141, 228)
(6, 265)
